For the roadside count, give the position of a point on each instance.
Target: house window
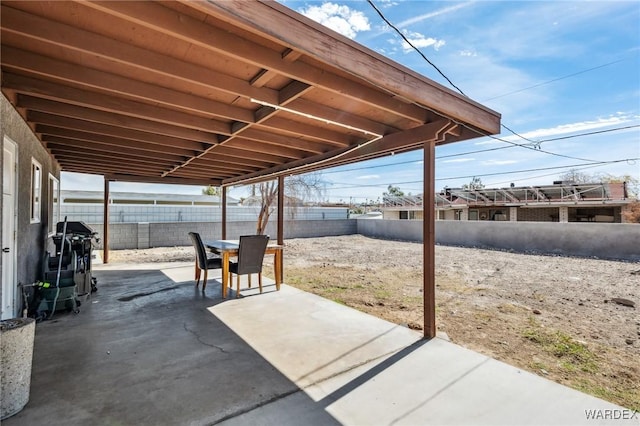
(36, 190)
(54, 203)
(407, 214)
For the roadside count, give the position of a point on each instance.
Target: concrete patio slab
(366, 371)
(150, 349)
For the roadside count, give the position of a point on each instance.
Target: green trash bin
(64, 300)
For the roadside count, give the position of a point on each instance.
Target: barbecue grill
(74, 279)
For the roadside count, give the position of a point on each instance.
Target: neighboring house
(30, 206)
(560, 202)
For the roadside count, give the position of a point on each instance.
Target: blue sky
(553, 69)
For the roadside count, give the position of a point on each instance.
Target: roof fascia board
(283, 25)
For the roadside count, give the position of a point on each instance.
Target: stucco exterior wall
(31, 237)
(603, 240)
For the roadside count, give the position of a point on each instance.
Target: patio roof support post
(280, 209)
(281, 218)
(429, 241)
(223, 190)
(105, 224)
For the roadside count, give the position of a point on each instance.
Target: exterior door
(9, 185)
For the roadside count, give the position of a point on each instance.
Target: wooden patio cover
(215, 92)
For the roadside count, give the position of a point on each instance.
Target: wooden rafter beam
(109, 130)
(67, 73)
(187, 149)
(350, 57)
(123, 154)
(428, 132)
(266, 137)
(95, 45)
(113, 144)
(72, 95)
(260, 147)
(109, 118)
(154, 16)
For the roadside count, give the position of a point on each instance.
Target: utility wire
(554, 80)
(536, 144)
(414, 48)
(591, 166)
(351, 185)
(461, 154)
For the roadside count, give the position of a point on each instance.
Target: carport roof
(203, 92)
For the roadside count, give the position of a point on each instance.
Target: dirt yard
(555, 316)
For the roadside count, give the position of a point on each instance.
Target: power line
(555, 79)
(591, 133)
(482, 150)
(536, 144)
(352, 185)
(414, 48)
(546, 175)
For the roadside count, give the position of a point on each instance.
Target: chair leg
(249, 278)
(197, 275)
(204, 282)
(260, 281)
(238, 285)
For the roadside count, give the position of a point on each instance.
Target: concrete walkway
(149, 349)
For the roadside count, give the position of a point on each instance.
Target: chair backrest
(251, 253)
(201, 253)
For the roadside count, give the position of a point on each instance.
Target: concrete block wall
(144, 234)
(616, 241)
(170, 234)
(404, 230)
(130, 213)
(320, 228)
(122, 236)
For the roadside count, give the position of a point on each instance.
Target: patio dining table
(230, 248)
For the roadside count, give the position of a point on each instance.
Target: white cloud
(468, 53)
(617, 119)
(498, 162)
(583, 126)
(388, 3)
(429, 15)
(367, 177)
(420, 41)
(459, 160)
(339, 18)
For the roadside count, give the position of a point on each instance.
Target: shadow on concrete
(144, 350)
(151, 349)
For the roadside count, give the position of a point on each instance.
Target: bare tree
(268, 192)
(297, 188)
(476, 183)
(575, 176)
(633, 183)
